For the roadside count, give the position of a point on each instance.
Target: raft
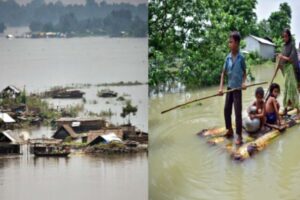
(253, 143)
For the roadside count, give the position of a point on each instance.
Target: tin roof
(262, 40)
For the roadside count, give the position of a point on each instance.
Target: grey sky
(83, 1)
(265, 7)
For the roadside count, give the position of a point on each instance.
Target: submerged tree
(128, 110)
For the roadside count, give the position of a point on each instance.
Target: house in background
(6, 121)
(10, 142)
(81, 125)
(66, 131)
(10, 92)
(263, 47)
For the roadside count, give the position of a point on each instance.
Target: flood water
(77, 177)
(184, 167)
(39, 64)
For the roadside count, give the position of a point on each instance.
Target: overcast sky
(83, 1)
(264, 8)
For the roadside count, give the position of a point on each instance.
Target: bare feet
(229, 134)
(239, 140)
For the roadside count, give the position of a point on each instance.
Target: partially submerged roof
(110, 137)
(70, 131)
(262, 40)
(107, 138)
(12, 136)
(13, 88)
(6, 118)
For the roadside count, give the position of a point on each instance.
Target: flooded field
(38, 65)
(184, 167)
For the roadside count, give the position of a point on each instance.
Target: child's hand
(244, 87)
(220, 92)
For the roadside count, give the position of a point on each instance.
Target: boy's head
(259, 94)
(274, 90)
(234, 41)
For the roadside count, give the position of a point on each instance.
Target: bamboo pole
(275, 73)
(214, 95)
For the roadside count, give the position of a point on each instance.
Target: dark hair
(272, 88)
(236, 36)
(288, 32)
(260, 91)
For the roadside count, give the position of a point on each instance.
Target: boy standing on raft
(235, 69)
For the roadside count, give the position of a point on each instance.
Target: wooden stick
(275, 73)
(214, 95)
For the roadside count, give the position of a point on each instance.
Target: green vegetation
(91, 18)
(128, 110)
(72, 111)
(103, 113)
(110, 145)
(188, 40)
(274, 25)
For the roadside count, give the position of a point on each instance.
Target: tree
(2, 27)
(188, 39)
(68, 23)
(128, 110)
(48, 27)
(279, 20)
(35, 26)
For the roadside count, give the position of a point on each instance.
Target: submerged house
(263, 47)
(10, 92)
(6, 121)
(77, 128)
(66, 131)
(10, 142)
(104, 136)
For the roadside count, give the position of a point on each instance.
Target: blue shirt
(235, 70)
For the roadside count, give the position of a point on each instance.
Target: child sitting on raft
(272, 105)
(256, 112)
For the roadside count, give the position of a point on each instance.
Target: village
(71, 134)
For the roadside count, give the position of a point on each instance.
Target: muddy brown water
(184, 167)
(43, 63)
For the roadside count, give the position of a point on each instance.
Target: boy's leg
(227, 113)
(237, 100)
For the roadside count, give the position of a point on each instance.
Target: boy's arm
(262, 114)
(244, 75)
(276, 110)
(222, 82)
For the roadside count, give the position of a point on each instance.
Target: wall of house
(267, 51)
(252, 44)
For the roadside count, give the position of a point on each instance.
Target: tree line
(91, 16)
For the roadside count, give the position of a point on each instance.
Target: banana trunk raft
(253, 143)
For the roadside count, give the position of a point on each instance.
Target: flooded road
(184, 167)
